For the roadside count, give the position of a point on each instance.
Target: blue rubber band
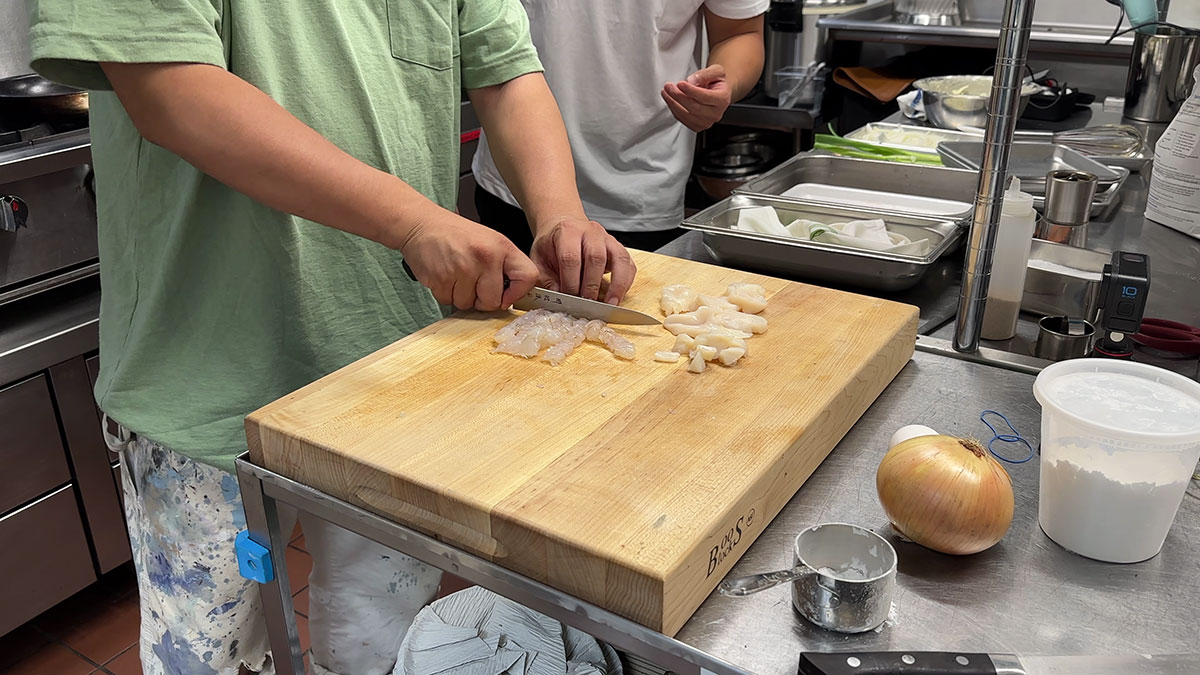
(1014, 437)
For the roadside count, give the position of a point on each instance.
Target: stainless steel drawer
(32, 452)
(44, 559)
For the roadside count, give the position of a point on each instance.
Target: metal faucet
(993, 177)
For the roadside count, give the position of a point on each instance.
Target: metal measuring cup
(843, 577)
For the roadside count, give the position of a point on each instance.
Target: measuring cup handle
(754, 583)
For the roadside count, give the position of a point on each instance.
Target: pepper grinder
(1069, 197)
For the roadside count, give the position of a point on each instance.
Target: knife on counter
(544, 298)
(959, 663)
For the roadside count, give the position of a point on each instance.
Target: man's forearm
(237, 134)
(742, 58)
(529, 145)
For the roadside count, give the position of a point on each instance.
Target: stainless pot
(724, 169)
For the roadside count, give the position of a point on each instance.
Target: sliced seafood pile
(558, 334)
(710, 328)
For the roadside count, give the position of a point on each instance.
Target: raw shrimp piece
(684, 344)
(707, 353)
(747, 323)
(730, 355)
(593, 329)
(750, 298)
(562, 350)
(527, 347)
(677, 298)
(525, 320)
(598, 332)
(697, 364)
(667, 357)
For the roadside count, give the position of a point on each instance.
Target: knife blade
(960, 663)
(543, 298)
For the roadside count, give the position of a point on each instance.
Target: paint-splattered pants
(199, 617)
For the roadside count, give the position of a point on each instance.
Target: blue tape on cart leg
(254, 559)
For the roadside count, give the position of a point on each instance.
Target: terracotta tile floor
(96, 630)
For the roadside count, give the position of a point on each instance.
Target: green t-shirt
(213, 304)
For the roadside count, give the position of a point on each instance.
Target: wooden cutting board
(631, 485)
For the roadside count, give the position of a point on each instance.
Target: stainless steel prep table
(1026, 595)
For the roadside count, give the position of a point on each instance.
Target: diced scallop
(722, 338)
(750, 298)
(684, 344)
(707, 353)
(677, 299)
(730, 355)
(747, 323)
(667, 357)
(697, 364)
(717, 304)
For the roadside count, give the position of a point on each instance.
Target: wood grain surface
(631, 485)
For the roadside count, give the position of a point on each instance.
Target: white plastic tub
(1120, 441)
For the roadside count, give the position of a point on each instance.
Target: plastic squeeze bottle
(1174, 197)
(1013, 241)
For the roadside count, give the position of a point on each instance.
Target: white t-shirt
(606, 63)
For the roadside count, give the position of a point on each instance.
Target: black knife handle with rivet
(895, 663)
(411, 275)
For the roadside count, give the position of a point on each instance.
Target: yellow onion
(946, 493)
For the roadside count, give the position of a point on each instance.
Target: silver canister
(850, 579)
(1160, 74)
(1069, 196)
(1061, 338)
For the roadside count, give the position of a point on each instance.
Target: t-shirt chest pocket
(424, 31)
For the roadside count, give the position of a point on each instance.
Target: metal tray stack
(1030, 162)
(865, 174)
(799, 258)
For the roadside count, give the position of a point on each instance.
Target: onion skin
(946, 493)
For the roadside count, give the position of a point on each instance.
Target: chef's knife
(542, 298)
(957, 663)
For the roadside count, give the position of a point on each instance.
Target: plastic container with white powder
(1120, 441)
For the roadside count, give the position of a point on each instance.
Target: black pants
(511, 222)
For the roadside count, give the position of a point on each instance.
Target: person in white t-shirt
(629, 82)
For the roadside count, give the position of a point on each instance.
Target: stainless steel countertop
(1026, 595)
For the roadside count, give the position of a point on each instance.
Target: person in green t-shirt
(261, 168)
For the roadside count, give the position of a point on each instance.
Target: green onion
(863, 150)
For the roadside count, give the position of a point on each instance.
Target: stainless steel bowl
(949, 110)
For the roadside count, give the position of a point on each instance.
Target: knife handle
(413, 276)
(895, 663)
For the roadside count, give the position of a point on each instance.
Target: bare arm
(737, 46)
(237, 134)
(529, 145)
(735, 62)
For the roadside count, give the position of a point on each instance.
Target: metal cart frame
(263, 490)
